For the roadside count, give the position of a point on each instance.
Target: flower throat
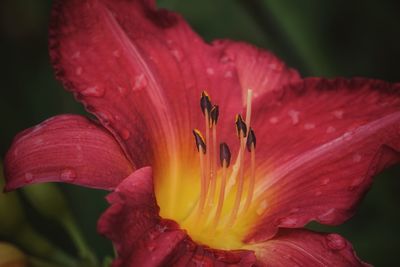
(222, 206)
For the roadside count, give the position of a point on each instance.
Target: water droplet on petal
(294, 115)
(228, 74)
(227, 58)
(105, 117)
(262, 207)
(94, 91)
(139, 83)
(151, 246)
(347, 136)
(273, 120)
(335, 242)
(327, 216)
(67, 175)
(78, 71)
(116, 53)
(210, 71)
(309, 126)
(325, 181)
(338, 114)
(177, 54)
(357, 157)
(125, 134)
(288, 222)
(28, 177)
(330, 129)
(122, 90)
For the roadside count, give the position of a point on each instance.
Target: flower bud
(11, 256)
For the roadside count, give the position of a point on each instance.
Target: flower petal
(142, 238)
(140, 71)
(66, 148)
(321, 143)
(257, 69)
(306, 248)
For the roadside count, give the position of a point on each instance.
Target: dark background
(319, 38)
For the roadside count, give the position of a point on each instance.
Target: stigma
(226, 185)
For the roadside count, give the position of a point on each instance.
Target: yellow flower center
(218, 209)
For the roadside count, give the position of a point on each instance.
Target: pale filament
(239, 191)
(213, 174)
(208, 155)
(252, 180)
(206, 210)
(236, 166)
(221, 196)
(203, 191)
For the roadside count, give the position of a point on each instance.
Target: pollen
(220, 205)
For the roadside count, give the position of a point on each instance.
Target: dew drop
(177, 54)
(228, 74)
(273, 120)
(125, 134)
(67, 175)
(151, 246)
(122, 90)
(105, 117)
(140, 82)
(327, 216)
(309, 126)
(78, 71)
(338, 114)
(294, 115)
(325, 181)
(210, 71)
(227, 58)
(262, 207)
(330, 129)
(94, 91)
(347, 136)
(116, 53)
(28, 177)
(288, 222)
(76, 55)
(335, 242)
(357, 157)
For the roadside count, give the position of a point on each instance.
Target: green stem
(76, 236)
(37, 245)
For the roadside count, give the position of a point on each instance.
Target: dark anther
(214, 113)
(241, 126)
(251, 140)
(199, 141)
(205, 102)
(224, 154)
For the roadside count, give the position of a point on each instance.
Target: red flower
(140, 71)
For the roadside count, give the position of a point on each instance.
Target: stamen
(214, 114)
(206, 106)
(205, 102)
(225, 158)
(213, 179)
(201, 147)
(241, 127)
(242, 130)
(251, 145)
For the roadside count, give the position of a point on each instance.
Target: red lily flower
(141, 72)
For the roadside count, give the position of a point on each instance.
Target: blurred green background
(319, 38)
